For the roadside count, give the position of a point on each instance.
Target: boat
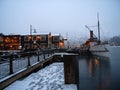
(100, 50)
(95, 46)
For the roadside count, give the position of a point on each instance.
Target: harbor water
(99, 73)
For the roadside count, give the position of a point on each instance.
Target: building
(1, 41)
(9, 42)
(30, 42)
(57, 41)
(34, 41)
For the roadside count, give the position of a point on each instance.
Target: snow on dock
(48, 78)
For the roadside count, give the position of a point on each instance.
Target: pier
(19, 65)
(79, 69)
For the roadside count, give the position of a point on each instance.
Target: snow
(48, 78)
(65, 54)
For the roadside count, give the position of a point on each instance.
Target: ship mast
(98, 28)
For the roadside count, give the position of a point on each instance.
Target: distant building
(9, 42)
(41, 41)
(57, 41)
(1, 41)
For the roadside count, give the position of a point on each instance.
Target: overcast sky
(59, 16)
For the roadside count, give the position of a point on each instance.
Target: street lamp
(34, 31)
(31, 28)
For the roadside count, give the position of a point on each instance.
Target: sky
(67, 17)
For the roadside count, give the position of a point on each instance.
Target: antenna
(98, 27)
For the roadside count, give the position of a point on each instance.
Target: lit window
(38, 38)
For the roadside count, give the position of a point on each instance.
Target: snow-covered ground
(49, 78)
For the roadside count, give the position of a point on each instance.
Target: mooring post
(70, 68)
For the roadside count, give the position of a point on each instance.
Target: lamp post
(31, 28)
(34, 31)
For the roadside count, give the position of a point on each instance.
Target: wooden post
(11, 64)
(48, 52)
(38, 56)
(29, 59)
(52, 52)
(44, 54)
(69, 68)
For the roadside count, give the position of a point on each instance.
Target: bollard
(70, 68)
(11, 64)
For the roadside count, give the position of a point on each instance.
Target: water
(98, 73)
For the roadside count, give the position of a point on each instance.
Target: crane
(91, 32)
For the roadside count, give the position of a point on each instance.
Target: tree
(115, 40)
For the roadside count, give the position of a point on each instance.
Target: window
(56, 38)
(25, 38)
(34, 38)
(43, 38)
(1, 39)
(38, 38)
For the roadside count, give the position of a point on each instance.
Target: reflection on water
(97, 73)
(94, 73)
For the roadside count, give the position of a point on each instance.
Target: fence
(15, 62)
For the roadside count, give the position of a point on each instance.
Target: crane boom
(90, 30)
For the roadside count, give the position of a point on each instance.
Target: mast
(98, 28)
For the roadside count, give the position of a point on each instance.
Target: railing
(14, 62)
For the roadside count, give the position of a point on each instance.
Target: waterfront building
(11, 42)
(30, 42)
(34, 41)
(57, 41)
(1, 42)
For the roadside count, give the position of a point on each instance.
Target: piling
(70, 66)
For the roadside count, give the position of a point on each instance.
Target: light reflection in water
(94, 73)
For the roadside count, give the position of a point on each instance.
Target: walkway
(48, 78)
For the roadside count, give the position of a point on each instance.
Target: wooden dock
(68, 57)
